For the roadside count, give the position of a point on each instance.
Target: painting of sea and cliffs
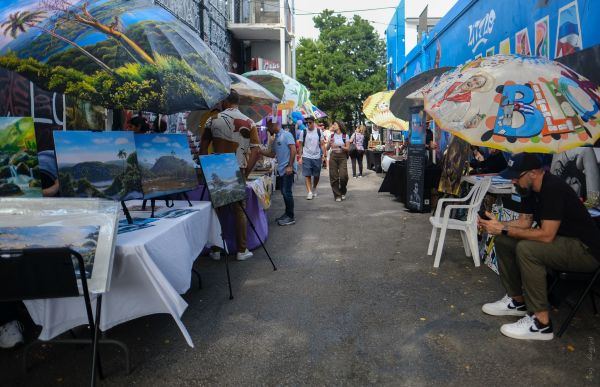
(82, 239)
(19, 170)
(166, 164)
(97, 164)
(224, 179)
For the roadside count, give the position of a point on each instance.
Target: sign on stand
(416, 161)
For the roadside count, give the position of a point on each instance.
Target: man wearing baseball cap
(566, 238)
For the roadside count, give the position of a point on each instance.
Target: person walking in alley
(338, 165)
(283, 148)
(312, 153)
(357, 150)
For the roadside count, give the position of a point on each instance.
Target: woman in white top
(326, 135)
(338, 165)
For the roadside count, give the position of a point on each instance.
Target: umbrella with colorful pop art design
(516, 104)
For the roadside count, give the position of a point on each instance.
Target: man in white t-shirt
(312, 153)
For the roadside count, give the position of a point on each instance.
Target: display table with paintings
(152, 266)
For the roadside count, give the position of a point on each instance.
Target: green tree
(343, 66)
(123, 156)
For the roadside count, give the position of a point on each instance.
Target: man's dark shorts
(311, 167)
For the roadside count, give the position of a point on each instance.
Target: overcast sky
(378, 18)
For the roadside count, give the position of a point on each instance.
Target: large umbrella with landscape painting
(516, 104)
(128, 54)
(281, 85)
(256, 102)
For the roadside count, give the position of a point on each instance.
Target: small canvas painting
(82, 239)
(166, 164)
(505, 47)
(97, 164)
(224, 179)
(19, 170)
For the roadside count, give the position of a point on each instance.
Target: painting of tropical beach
(166, 164)
(224, 179)
(97, 164)
(82, 239)
(19, 170)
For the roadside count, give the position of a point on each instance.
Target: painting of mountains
(224, 179)
(19, 170)
(97, 164)
(166, 164)
(82, 239)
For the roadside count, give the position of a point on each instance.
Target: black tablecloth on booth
(395, 180)
(374, 160)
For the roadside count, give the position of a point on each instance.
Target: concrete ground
(355, 301)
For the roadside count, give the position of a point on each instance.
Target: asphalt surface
(355, 301)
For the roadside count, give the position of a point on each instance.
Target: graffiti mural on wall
(477, 28)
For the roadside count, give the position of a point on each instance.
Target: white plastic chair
(467, 228)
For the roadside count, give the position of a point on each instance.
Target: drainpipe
(293, 40)
(282, 35)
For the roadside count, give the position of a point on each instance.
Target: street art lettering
(542, 37)
(568, 32)
(480, 29)
(522, 46)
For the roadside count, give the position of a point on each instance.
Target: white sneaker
(343, 197)
(215, 255)
(309, 196)
(338, 199)
(243, 256)
(504, 307)
(11, 334)
(528, 328)
(314, 193)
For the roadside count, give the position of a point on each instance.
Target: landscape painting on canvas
(19, 170)
(224, 179)
(97, 164)
(166, 164)
(82, 239)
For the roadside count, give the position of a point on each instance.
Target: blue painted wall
(479, 27)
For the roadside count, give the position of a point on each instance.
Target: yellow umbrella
(377, 110)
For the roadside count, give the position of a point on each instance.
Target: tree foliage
(343, 66)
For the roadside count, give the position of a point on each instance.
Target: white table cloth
(152, 267)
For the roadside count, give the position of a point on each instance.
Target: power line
(306, 13)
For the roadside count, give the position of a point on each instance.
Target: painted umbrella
(310, 110)
(516, 104)
(255, 101)
(128, 54)
(282, 86)
(377, 109)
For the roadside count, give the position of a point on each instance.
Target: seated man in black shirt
(567, 239)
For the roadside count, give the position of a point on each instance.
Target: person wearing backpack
(338, 164)
(312, 152)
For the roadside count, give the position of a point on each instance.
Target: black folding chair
(590, 279)
(48, 273)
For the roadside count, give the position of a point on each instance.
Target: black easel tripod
(217, 209)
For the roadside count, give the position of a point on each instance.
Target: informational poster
(415, 177)
(417, 160)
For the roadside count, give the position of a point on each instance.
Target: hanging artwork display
(97, 164)
(19, 170)
(166, 164)
(223, 178)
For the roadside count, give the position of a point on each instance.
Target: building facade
(562, 30)
(244, 34)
